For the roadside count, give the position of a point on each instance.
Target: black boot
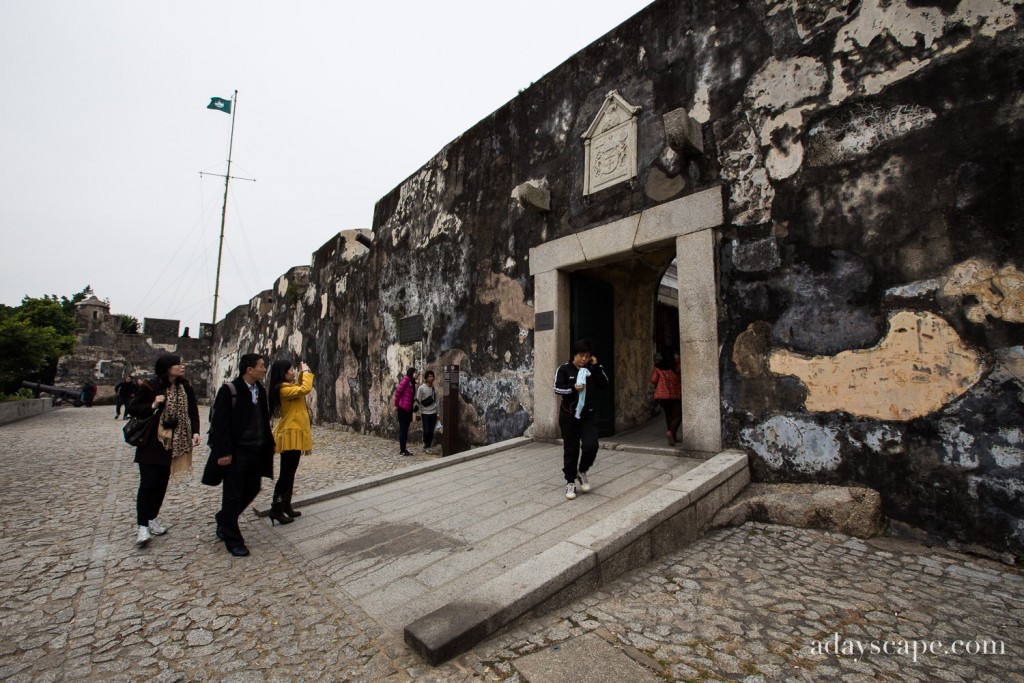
(277, 512)
(286, 501)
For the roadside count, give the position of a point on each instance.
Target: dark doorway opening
(592, 317)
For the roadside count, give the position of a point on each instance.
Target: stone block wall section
(852, 315)
(12, 411)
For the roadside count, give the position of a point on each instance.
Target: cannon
(60, 394)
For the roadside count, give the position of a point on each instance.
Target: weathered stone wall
(104, 355)
(870, 269)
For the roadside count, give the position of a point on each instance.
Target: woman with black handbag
(168, 448)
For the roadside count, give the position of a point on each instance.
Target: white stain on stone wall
(958, 445)
(780, 84)
(805, 445)
(863, 130)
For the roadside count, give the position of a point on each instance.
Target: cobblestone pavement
(758, 603)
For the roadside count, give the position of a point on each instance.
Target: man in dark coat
(123, 393)
(241, 447)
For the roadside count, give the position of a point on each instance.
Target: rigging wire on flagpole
(224, 209)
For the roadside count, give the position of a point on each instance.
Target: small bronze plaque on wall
(545, 320)
(410, 330)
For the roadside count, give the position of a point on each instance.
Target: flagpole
(224, 209)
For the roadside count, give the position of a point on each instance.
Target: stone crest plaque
(610, 145)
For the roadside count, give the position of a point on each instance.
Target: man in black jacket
(123, 393)
(241, 447)
(583, 429)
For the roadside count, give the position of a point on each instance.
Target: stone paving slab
(81, 603)
(399, 548)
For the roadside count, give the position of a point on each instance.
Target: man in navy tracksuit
(582, 430)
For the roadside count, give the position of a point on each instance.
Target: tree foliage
(33, 337)
(128, 324)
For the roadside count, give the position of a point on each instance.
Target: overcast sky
(104, 130)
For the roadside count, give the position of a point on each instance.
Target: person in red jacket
(667, 392)
(405, 400)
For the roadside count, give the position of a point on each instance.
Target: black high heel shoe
(277, 513)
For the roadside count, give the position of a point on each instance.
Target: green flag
(220, 104)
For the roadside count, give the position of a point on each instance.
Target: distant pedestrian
(293, 434)
(123, 392)
(579, 433)
(668, 392)
(405, 404)
(169, 450)
(88, 392)
(241, 447)
(426, 399)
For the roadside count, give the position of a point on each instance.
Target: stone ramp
(449, 551)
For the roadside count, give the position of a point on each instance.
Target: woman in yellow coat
(292, 432)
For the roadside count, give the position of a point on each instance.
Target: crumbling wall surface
(871, 282)
(870, 267)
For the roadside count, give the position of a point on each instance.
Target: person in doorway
(293, 434)
(241, 447)
(123, 393)
(169, 450)
(667, 392)
(426, 399)
(579, 435)
(405, 404)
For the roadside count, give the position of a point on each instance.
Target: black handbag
(139, 431)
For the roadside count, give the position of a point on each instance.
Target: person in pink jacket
(405, 400)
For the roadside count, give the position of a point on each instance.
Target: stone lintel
(695, 212)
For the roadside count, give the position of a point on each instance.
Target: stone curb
(661, 521)
(411, 471)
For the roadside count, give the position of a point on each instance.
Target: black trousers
(429, 424)
(286, 479)
(241, 484)
(152, 489)
(577, 433)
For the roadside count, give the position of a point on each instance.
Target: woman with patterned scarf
(169, 449)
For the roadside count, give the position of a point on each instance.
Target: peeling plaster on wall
(701, 110)
(280, 335)
(907, 26)
(444, 224)
(508, 296)
(323, 306)
(784, 130)
(1013, 488)
(1011, 455)
(785, 83)
(880, 439)
(751, 195)
(804, 445)
(915, 290)
(860, 131)
(919, 367)
(812, 16)
(1011, 359)
(999, 292)
(918, 28)
(958, 445)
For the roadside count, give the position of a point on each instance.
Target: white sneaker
(143, 537)
(156, 528)
(570, 492)
(581, 477)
